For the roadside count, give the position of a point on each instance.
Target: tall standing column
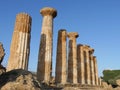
(20, 45)
(87, 65)
(44, 68)
(92, 67)
(61, 64)
(95, 70)
(80, 64)
(72, 58)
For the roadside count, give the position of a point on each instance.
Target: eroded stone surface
(61, 59)
(72, 58)
(118, 82)
(87, 65)
(44, 68)
(2, 52)
(20, 45)
(19, 80)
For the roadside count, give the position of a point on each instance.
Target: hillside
(110, 76)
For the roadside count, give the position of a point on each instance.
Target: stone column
(20, 45)
(92, 67)
(80, 64)
(72, 58)
(44, 68)
(95, 70)
(61, 65)
(87, 65)
(99, 82)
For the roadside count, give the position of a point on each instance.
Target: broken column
(72, 58)
(61, 64)
(95, 70)
(44, 68)
(20, 45)
(92, 67)
(80, 64)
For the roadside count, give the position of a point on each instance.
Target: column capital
(86, 48)
(72, 35)
(91, 50)
(62, 30)
(94, 57)
(80, 45)
(48, 11)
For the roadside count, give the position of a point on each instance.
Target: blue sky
(96, 21)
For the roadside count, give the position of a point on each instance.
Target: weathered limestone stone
(2, 53)
(118, 82)
(20, 45)
(95, 70)
(80, 64)
(19, 79)
(87, 65)
(92, 73)
(44, 68)
(72, 58)
(2, 69)
(99, 81)
(61, 64)
(107, 87)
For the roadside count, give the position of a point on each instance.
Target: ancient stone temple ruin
(20, 45)
(77, 65)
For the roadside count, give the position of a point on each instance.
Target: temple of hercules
(44, 67)
(20, 44)
(75, 62)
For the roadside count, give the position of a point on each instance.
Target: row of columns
(82, 65)
(87, 65)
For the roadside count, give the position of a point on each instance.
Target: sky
(96, 21)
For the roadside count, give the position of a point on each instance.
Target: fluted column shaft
(95, 70)
(20, 45)
(44, 69)
(61, 65)
(87, 65)
(80, 64)
(92, 68)
(72, 58)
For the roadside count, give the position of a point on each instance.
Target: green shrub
(110, 76)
